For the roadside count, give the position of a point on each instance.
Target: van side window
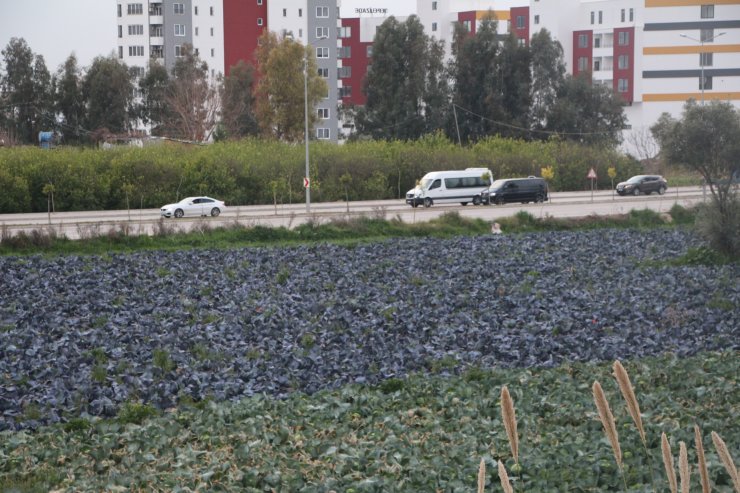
(452, 182)
(436, 184)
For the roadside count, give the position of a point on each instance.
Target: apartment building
(158, 29)
(656, 54)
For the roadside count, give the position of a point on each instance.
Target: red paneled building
(241, 30)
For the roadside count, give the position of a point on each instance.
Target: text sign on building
(371, 10)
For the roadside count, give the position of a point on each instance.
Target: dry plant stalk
(726, 458)
(504, 477)
(668, 463)
(507, 410)
(683, 467)
(481, 476)
(703, 472)
(625, 386)
(607, 419)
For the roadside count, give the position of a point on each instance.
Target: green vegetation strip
(423, 433)
(343, 230)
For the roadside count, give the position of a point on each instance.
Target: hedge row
(261, 172)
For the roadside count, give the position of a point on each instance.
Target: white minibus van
(462, 186)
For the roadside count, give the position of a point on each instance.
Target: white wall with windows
(208, 34)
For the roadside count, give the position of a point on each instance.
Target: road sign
(306, 182)
(591, 174)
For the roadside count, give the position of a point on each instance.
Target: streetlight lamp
(702, 58)
(305, 111)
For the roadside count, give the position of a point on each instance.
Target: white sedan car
(194, 206)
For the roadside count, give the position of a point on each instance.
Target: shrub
(720, 226)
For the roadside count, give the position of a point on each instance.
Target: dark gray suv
(643, 184)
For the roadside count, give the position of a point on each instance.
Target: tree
(192, 100)
(153, 107)
(280, 91)
(706, 140)
(238, 106)
(515, 83)
(476, 77)
(26, 91)
(68, 98)
(108, 93)
(436, 97)
(548, 74)
(405, 75)
(586, 112)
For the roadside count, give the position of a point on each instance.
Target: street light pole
(305, 110)
(702, 58)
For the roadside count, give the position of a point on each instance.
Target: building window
(434, 26)
(466, 26)
(323, 72)
(211, 32)
(300, 12)
(120, 31)
(597, 65)
(623, 62)
(624, 38)
(582, 63)
(323, 113)
(623, 16)
(706, 59)
(120, 52)
(707, 82)
(196, 31)
(322, 52)
(434, 5)
(345, 32)
(344, 52)
(135, 51)
(583, 40)
(213, 52)
(211, 10)
(322, 11)
(285, 12)
(134, 9)
(179, 29)
(369, 51)
(197, 51)
(179, 8)
(632, 15)
(136, 30)
(322, 133)
(593, 17)
(322, 32)
(196, 10)
(622, 85)
(119, 10)
(519, 21)
(707, 11)
(344, 72)
(178, 51)
(601, 17)
(536, 19)
(300, 33)
(259, 2)
(345, 92)
(597, 41)
(259, 21)
(706, 35)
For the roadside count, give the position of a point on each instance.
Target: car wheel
(463, 203)
(428, 202)
(414, 205)
(179, 213)
(661, 190)
(540, 198)
(499, 201)
(476, 200)
(215, 211)
(636, 192)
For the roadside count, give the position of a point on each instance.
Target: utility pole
(305, 102)
(702, 57)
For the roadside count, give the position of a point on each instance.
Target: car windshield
(498, 183)
(425, 182)
(635, 179)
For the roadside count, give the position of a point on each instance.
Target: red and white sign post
(592, 176)
(306, 182)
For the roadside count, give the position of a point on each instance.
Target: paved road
(562, 204)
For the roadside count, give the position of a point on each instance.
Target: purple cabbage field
(81, 335)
